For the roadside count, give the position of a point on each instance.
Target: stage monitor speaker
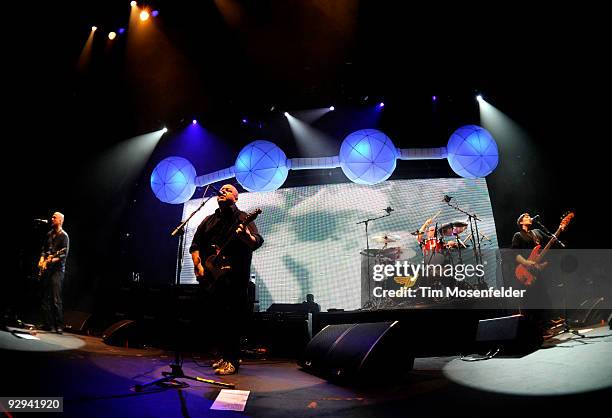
(513, 334)
(353, 352)
(76, 321)
(123, 333)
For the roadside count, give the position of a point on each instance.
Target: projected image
(315, 244)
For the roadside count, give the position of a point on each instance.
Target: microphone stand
(180, 231)
(176, 368)
(550, 234)
(366, 222)
(473, 219)
(565, 324)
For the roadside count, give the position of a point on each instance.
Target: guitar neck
(549, 244)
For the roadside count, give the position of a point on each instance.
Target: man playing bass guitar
(226, 278)
(527, 239)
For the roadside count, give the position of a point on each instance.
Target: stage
(97, 380)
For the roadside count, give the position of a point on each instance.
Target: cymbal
(453, 228)
(387, 238)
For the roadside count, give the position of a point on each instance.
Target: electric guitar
(522, 273)
(216, 264)
(43, 263)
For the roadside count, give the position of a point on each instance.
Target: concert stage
(97, 380)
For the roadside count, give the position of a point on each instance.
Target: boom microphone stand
(370, 304)
(176, 369)
(473, 220)
(565, 326)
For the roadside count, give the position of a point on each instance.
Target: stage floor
(97, 380)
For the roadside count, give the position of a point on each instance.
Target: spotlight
(479, 97)
(286, 114)
(133, 3)
(121, 31)
(154, 13)
(112, 35)
(245, 121)
(332, 108)
(434, 98)
(165, 130)
(94, 28)
(144, 15)
(194, 122)
(381, 104)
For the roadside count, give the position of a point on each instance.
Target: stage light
(286, 114)
(434, 98)
(245, 121)
(154, 13)
(479, 97)
(381, 104)
(144, 15)
(94, 28)
(121, 31)
(112, 35)
(332, 108)
(165, 130)
(194, 122)
(133, 3)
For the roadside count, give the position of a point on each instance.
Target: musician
(52, 264)
(536, 296)
(426, 227)
(229, 293)
(526, 239)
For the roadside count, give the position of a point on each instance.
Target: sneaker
(225, 369)
(217, 364)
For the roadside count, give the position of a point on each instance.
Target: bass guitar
(43, 263)
(522, 273)
(216, 264)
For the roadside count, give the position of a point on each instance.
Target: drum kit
(440, 245)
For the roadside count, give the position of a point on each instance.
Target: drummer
(427, 237)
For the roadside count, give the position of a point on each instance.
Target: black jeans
(231, 313)
(53, 309)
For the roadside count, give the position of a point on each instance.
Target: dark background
(543, 68)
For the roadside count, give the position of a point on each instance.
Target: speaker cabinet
(124, 333)
(76, 321)
(352, 352)
(513, 334)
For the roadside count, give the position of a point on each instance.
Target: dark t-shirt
(527, 241)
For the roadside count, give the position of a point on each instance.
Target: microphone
(389, 209)
(535, 218)
(447, 198)
(217, 191)
(44, 221)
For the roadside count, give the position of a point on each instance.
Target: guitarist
(526, 239)
(536, 295)
(229, 292)
(53, 265)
